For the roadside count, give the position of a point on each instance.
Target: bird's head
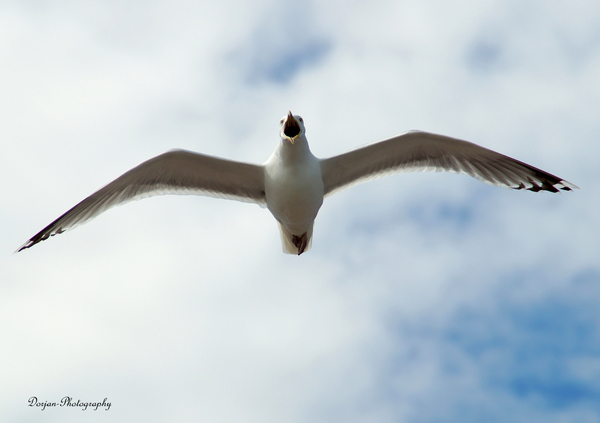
(291, 127)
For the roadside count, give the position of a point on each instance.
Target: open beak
(291, 128)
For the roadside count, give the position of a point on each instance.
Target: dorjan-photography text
(69, 402)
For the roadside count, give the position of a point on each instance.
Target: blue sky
(427, 297)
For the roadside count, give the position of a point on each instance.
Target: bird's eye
(300, 119)
(281, 122)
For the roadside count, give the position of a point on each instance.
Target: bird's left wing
(174, 172)
(422, 151)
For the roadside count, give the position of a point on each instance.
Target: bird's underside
(184, 172)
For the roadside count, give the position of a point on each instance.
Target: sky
(426, 297)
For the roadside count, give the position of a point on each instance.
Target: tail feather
(287, 245)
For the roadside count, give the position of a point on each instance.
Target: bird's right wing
(422, 151)
(174, 172)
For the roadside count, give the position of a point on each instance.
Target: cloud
(426, 296)
(526, 352)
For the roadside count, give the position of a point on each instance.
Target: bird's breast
(294, 193)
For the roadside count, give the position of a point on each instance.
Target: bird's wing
(422, 151)
(174, 172)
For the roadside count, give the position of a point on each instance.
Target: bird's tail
(287, 244)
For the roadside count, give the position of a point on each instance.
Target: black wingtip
(551, 185)
(39, 237)
(23, 247)
(30, 243)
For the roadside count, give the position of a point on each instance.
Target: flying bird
(292, 183)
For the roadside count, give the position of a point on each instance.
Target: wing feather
(422, 151)
(174, 172)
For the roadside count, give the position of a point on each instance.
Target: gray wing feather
(174, 172)
(422, 151)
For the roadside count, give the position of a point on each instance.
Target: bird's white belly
(294, 196)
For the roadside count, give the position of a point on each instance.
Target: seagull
(292, 183)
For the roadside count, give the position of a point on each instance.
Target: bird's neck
(297, 151)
